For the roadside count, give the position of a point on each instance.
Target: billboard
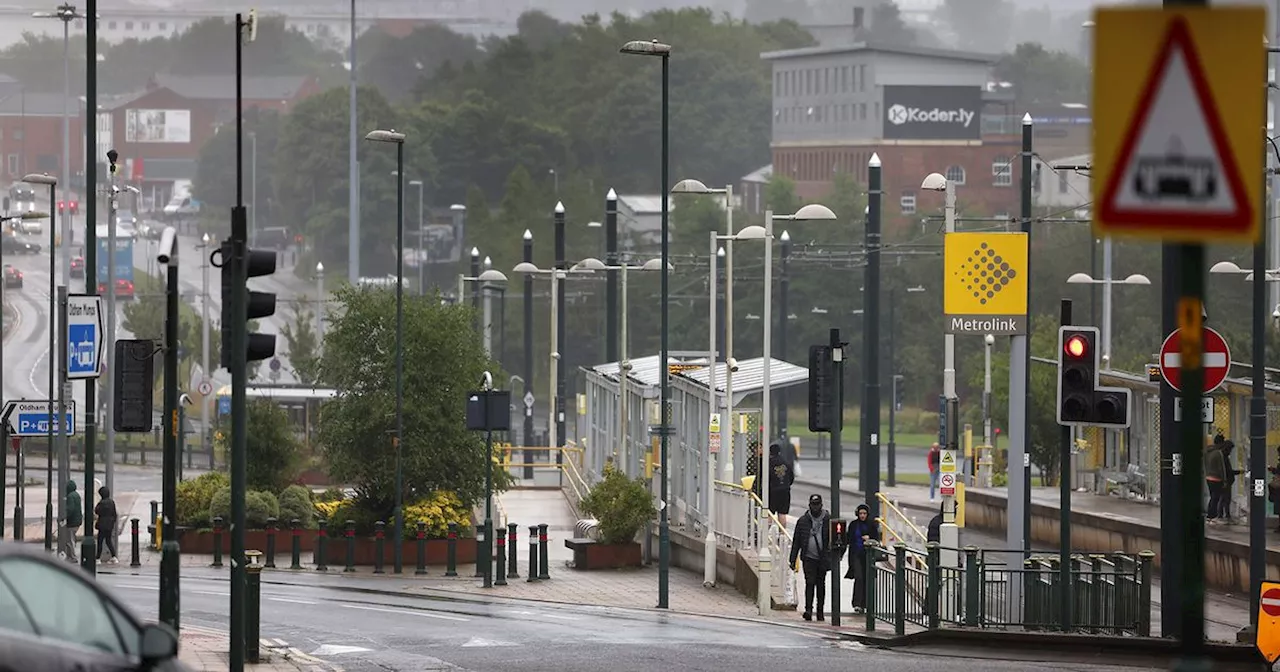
(932, 112)
(167, 126)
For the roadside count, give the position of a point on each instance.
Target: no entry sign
(1271, 601)
(1216, 360)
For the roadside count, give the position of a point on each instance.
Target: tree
(303, 343)
(394, 64)
(978, 25)
(215, 182)
(437, 452)
(1041, 76)
(272, 448)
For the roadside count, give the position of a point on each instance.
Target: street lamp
(52, 182)
(421, 258)
(485, 278)
(662, 51)
(66, 13)
(320, 304)
(1107, 282)
(938, 182)
(206, 241)
(398, 139)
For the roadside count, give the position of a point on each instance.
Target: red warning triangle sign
(1176, 170)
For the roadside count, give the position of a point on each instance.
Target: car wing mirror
(158, 643)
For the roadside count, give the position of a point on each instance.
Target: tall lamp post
(392, 136)
(420, 256)
(207, 376)
(52, 182)
(662, 51)
(320, 301)
(66, 13)
(1107, 282)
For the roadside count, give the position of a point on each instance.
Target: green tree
(272, 448)
(1042, 76)
(394, 64)
(437, 452)
(978, 25)
(304, 344)
(215, 182)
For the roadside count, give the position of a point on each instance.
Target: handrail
(575, 478)
(910, 525)
(759, 503)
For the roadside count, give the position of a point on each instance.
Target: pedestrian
(810, 544)
(1228, 482)
(72, 519)
(1215, 476)
(861, 531)
(781, 477)
(106, 524)
(1273, 487)
(934, 533)
(935, 454)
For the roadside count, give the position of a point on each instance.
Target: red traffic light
(1076, 347)
(61, 205)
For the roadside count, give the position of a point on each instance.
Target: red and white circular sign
(1271, 601)
(1216, 360)
(948, 480)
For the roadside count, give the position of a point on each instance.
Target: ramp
(535, 507)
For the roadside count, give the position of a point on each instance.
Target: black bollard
(271, 544)
(501, 578)
(134, 560)
(512, 550)
(451, 559)
(542, 552)
(350, 535)
(217, 541)
(532, 572)
(379, 531)
(421, 569)
(153, 525)
(253, 608)
(322, 536)
(295, 550)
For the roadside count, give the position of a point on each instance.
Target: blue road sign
(85, 336)
(31, 418)
(224, 405)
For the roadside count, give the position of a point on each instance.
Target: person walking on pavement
(781, 477)
(71, 522)
(861, 531)
(1215, 476)
(107, 516)
(1228, 483)
(935, 454)
(809, 544)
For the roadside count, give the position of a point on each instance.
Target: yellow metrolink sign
(985, 283)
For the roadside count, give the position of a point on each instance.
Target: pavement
(208, 649)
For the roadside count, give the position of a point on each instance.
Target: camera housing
(733, 365)
(168, 248)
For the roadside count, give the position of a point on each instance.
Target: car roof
(13, 550)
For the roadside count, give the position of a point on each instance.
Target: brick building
(31, 134)
(922, 110)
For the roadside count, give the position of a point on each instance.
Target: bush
(437, 511)
(195, 495)
(621, 504)
(220, 505)
(258, 507)
(295, 502)
(331, 495)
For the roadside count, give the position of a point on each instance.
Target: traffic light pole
(169, 593)
(88, 548)
(837, 461)
(237, 368)
(1064, 508)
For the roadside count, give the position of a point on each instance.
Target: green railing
(1110, 592)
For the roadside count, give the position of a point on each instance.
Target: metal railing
(734, 514)
(1110, 593)
(917, 536)
(778, 540)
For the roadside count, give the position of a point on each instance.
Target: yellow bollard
(960, 504)
(159, 531)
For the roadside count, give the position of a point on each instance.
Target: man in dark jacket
(106, 524)
(810, 544)
(780, 479)
(72, 519)
(862, 530)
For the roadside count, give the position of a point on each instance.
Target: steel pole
(353, 167)
(169, 590)
(664, 383)
(108, 395)
(399, 540)
(91, 119)
(764, 592)
(87, 546)
(53, 330)
(622, 382)
(562, 264)
(527, 433)
(1258, 407)
(1019, 464)
(422, 237)
(728, 428)
(239, 378)
(555, 355)
(611, 286)
(871, 307)
(253, 187)
(784, 289)
(709, 544)
(1107, 283)
(205, 374)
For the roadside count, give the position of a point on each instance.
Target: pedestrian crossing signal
(839, 534)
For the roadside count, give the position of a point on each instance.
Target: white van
(181, 202)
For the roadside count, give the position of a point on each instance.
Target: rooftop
(855, 47)
(748, 379)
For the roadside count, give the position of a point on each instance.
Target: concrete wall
(687, 552)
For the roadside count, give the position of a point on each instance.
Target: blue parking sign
(224, 405)
(84, 335)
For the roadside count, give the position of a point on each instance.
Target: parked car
(77, 267)
(12, 277)
(11, 245)
(276, 237)
(54, 618)
(124, 289)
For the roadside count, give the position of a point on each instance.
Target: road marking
(788, 646)
(562, 618)
(424, 614)
(140, 586)
(290, 600)
(542, 615)
(216, 593)
(477, 641)
(337, 650)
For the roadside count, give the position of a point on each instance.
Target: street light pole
(764, 595)
(526, 437)
(559, 326)
(784, 287)
(1106, 304)
(108, 394)
(611, 282)
(52, 182)
(90, 274)
(353, 167)
(205, 374)
(871, 367)
(169, 571)
(421, 258)
(624, 372)
(320, 303)
(253, 187)
(555, 355)
(709, 544)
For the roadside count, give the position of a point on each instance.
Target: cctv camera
(627, 365)
(733, 365)
(989, 339)
(168, 246)
(555, 355)
(486, 381)
(112, 155)
(185, 400)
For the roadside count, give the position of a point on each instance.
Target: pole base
(1247, 635)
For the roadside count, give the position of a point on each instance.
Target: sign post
(84, 336)
(1177, 157)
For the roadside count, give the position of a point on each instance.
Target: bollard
(217, 541)
(501, 578)
(155, 526)
(322, 536)
(532, 572)
(542, 552)
(134, 560)
(512, 550)
(451, 557)
(271, 543)
(379, 532)
(295, 550)
(350, 535)
(421, 569)
(253, 607)
(480, 551)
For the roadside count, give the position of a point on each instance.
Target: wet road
(365, 632)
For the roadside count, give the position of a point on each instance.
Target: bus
(300, 402)
(22, 198)
(124, 262)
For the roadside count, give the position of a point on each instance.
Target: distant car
(31, 227)
(150, 228)
(12, 277)
(276, 237)
(54, 618)
(124, 289)
(77, 267)
(11, 245)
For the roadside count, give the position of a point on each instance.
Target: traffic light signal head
(1081, 399)
(75, 207)
(257, 305)
(839, 534)
(824, 393)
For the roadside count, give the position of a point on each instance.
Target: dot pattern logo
(985, 273)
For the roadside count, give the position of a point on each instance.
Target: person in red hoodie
(935, 454)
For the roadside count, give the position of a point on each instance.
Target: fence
(1110, 593)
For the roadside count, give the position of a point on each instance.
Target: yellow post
(159, 532)
(960, 504)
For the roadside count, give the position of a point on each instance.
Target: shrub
(621, 504)
(220, 505)
(258, 507)
(437, 511)
(295, 502)
(195, 495)
(326, 509)
(331, 495)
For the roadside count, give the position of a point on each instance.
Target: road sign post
(85, 336)
(1216, 361)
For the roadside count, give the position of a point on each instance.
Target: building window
(1063, 185)
(128, 25)
(1001, 172)
(908, 202)
(862, 78)
(111, 25)
(862, 110)
(163, 26)
(844, 79)
(17, 134)
(955, 174)
(13, 164)
(146, 25)
(777, 84)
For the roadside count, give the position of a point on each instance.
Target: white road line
(562, 618)
(137, 586)
(290, 600)
(217, 593)
(424, 614)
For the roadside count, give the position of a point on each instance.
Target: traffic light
(838, 535)
(258, 304)
(824, 393)
(1081, 400)
(897, 392)
(75, 207)
(134, 380)
(62, 206)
